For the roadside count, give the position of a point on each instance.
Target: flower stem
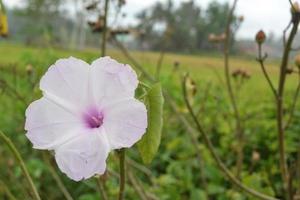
(6, 191)
(103, 46)
(232, 97)
(122, 174)
(22, 164)
(56, 177)
(101, 189)
(280, 101)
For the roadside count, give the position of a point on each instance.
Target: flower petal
(67, 79)
(112, 80)
(84, 156)
(49, 125)
(125, 123)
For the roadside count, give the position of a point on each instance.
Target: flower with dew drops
(85, 112)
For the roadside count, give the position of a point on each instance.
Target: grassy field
(175, 173)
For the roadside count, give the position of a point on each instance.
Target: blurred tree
(185, 28)
(43, 21)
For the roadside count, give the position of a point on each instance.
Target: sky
(269, 15)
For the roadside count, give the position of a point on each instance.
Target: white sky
(269, 15)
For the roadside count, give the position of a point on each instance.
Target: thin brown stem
(56, 177)
(101, 188)
(136, 186)
(284, 32)
(104, 32)
(18, 157)
(219, 162)
(280, 124)
(239, 131)
(122, 174)
(261, 60)
(13, 91)
(6, 191)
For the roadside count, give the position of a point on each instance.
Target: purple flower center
(93, 119)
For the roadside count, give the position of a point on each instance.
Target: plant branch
(210, 147)
(101, 188)
(239, 131)
(7, 191)
(136, 186)
(280, 126)
(56, 177)
(18, 157)
(261, 60)
(122, 174)
(104, 32)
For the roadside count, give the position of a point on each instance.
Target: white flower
(85, 112)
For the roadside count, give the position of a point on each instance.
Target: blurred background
(64, 23)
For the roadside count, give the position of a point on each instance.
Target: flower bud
(260, 37)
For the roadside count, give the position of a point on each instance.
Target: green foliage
(150, 142)
(175, 173)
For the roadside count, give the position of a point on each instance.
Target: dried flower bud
(289, 71)
(92, 6)
(241, 18)
(297, 61)
(246, 75)
(29, 70)
(121, 3)
(260, 37)
(255, 156)
(212, 37)
(236, 73)
(222, 37)
(176, 65)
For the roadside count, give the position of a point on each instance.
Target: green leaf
(149, 144)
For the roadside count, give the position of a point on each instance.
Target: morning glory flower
(85, 112)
